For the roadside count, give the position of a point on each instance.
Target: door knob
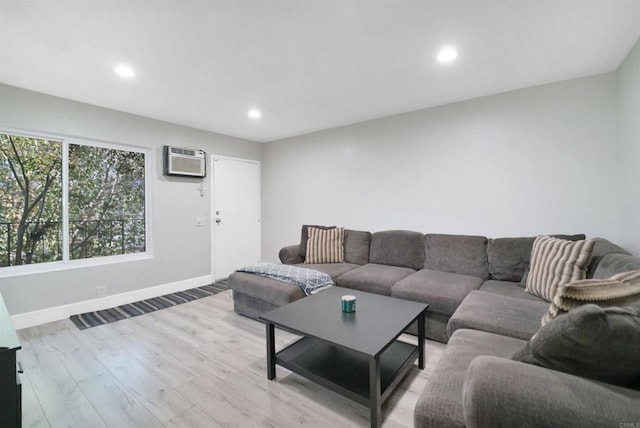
(218, 220)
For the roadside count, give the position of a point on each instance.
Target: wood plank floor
(194, 365)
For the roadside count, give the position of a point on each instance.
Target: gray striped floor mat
(93, 319)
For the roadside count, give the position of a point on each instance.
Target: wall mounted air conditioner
(185, 162)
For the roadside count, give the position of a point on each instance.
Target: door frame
(212, 217)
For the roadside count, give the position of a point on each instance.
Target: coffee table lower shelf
(347, 372)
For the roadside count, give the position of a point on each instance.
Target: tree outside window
(106, 202)
(30, 200)
(105, 189)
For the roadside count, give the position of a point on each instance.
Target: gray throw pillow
(593, 342)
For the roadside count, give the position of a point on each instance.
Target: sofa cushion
(507, 288)
(266, 289)
(398, 248)
(622, 289)
(601, 248)
(356, 246)
(325, 245)
(374, 278)
(334, 270)
(614, 263)
(590, 341)
(465, 255)
(493, 313)
(498, 392)
(304, 237)
(555, 262)
(509, 257)
(443, 291)
(440, 403)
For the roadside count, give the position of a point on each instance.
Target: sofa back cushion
(398, 248)
(601, 249)
(357, 244)
(509, 258)
(461, 254)
(613, 264)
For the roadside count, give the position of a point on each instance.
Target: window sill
(39, 268)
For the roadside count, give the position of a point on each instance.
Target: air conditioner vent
(184, 162)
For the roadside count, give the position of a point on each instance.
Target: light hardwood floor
(194, 365)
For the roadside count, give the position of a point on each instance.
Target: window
(63, 201)
(106, 202)
(31, 200)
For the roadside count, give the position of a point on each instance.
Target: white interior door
(236, 214)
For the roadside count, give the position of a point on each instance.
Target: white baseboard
(30, 319)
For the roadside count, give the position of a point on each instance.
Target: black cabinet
(10, 386)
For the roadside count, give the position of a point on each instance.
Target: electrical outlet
(102, 291)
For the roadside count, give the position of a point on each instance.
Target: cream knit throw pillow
(622, 289)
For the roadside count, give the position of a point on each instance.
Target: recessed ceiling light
(254, 114)
(124, 71)
(447, 54)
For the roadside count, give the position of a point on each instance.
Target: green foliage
(31, 199)
(106, 201)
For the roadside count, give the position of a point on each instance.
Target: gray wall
(558, 158)
(629, 150)
(531, 161)
(181, 250)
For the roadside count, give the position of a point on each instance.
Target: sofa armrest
(501, 392)
(290, 255)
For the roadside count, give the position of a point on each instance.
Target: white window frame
(66, 263)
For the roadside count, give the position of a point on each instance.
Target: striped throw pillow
(555, 262)
(622, 289)
(325, 246)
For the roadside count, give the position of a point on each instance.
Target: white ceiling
(307, 65)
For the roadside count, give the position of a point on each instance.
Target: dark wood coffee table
(354, 354)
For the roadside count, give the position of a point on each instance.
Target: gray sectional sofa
(441, 270)
(477, 303)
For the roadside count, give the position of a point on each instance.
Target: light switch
(199, 221)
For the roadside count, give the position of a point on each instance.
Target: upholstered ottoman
(254, 295)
